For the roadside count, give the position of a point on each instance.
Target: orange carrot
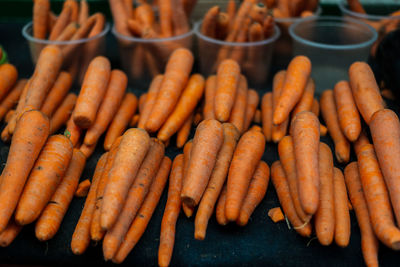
(8, 77)
(41, 10)
(231, 10)
(57, 93)
(8, 116)
(356, 6)
(220, 209)
(209, 23)
(276, 214)
(130, 11)
(61, 22)
(165, 10)
(144, 15)
(222, 25)
(8, 235)
(347, 112)
(342, 215)
(74, 7)
(217, 180)
(238, 112)
(257, 189)
(315, 107)
(210, 87)
(68, 32)
(187, 150)
(247, 155)
(360, 142)
(63, 113)
(197, 118)
(121, 119)
(83, 11)
(268, 26)
(284, 7)
(278, 131)
(176, 75)
(266, 116)
(150, 100)
(228, 76)
(238, 53)
(120, 16)
(73, 131)
(180, 21)
(258, 12)
(329, 113)
(52, 216)
(139, 225)
(134, 121)
(306, 149)
(239, 19)
(12, 98)
(142, 102)
(306, 14)
(252, 104)
(183, 133)
(297, 75)
(306, 101)
(83, 187)
(171, 212)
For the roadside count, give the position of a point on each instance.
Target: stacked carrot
(72, 24)
(290, 9)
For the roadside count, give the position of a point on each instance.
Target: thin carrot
(41, 10)
(252, 103)
(8, 77)
(231, 10)
(62, 113)
(238, 53)
(187, 150)
(142, 102)
(209, 23)
(83, 11)
(52, 216)
(144, 15)
(183, 133)
(189, 5)
(284, 7)
(73, 4)
(180, 21)
(306, 101)
(342, 215)
(83, 187)
(121, 119)
(238, 112)
(356, 6)
(210, 88)
(57, 93)
(239, 19)
(51, 20)
(165, 10)
(61, 22)
(120, 16)
(266, 116)
(360, 142)
(12, 98)
(197, 118)
(73, 131)
(268, 26)
(171, 212)
(134, 121)
(276, 214)
(8, 235)
(278, 131)
(222, 25)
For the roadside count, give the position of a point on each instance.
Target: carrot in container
(68, 32)
(209, 23)
(222, 25)
(73, 4)
(83, 11)
(41, 10)
(165, 10)
(120, 16)
(62, 21)
(180, 21)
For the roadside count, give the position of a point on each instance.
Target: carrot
(83, 11)
(306, 150)
(210, 87)
(385, 132)
(288, 162)
(365, 90)
(139, 225)
(142, 102)
(238, 53)
(81, 236)
(268, 26)
(8, 77)
(185, 106)
(239, 19)
(136, 28)
(306, 101)
(276, 214)
(109, 106)
(187, 149)
(228, 76)
(349, 119)
(266, 116)
(61, 22)
(180, 21)
(73, 131)
(251, 107)
(278, 131)
(255, 34)
(57, 93)
(360, 142)
(144, 15)
(306, 14)
(8, 116)
(121, 119)
(171, 212)
(63, 113)
(197, 118)
(41, 10)
(217, 180)
(8, 235)
(282, 189)
(74, 8)
(165, 10)
(136, 195)
(222, 25)
(206, 144)
(342, 215)
(183, 133)
(369, 242)
(120, 16)
(325, 215)
(134, 121)
(29, 137)
(296, 7)
(12, 98)
(297, 75)
(256, 192)
(356, 6)
(238, 112)
(92, 92)
(377, 198)
(284, 7)
(247, 155)
(189, 5)
(83, 188)
(176, 75)
(52, 216)
(329, 113)
(258, 12)
(130, 154)
(51, 20)
(231, 10)
(209, 23)
(46, 174)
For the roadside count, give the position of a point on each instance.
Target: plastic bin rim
(344, 9)
(334, 47)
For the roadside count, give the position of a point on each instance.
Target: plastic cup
(332, 44)
(254, 58)
(85, 50)
(142, 59)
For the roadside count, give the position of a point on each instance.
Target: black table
(261, 242)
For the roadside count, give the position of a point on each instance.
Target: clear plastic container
(284, 45)
(83, 50)
(142, 59)
(332, 44)
(254, 58)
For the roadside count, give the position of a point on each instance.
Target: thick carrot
(185, 106)
(247, 155)
(385, 132)
(83, 187)
(356, 6)
(329, 113)
(62, 113)
(8, 77)
(139, 225)
(306, 150)
(81, 236)
(136, 195)
(121, 119)
(210, 88)
(109, 106)
(73, 131)
(62, 21)
(325, 215)
(349, 119)
(41, 10)
(369, 242)
(165, 10)
(83, 11)
(134, 145)
(306, 101)
(51, 217)
(377, 197)
(8, 235)
(12, 98)
(257, 189)
(266, 116)
(187, 150)
(342, 215)
(92, 92)
(171, 212)
(297, 75)
(206, 144)
(180, 21)
(238, 112)
(228, 76)
(209, 23)
(276, 214)
(365, 90)
(217, 180)
(120, 16)
(176, 75)
(46, 174)
(29, 137)
(252, 103)
(183, 133)
(282, 189)
(57, 93)
(278, 131)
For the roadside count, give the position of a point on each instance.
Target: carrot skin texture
(266, 116)
(306, 101)
(8, 77)
(209, 23)
(342, 215)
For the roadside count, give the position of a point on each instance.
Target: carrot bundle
(294, 8)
